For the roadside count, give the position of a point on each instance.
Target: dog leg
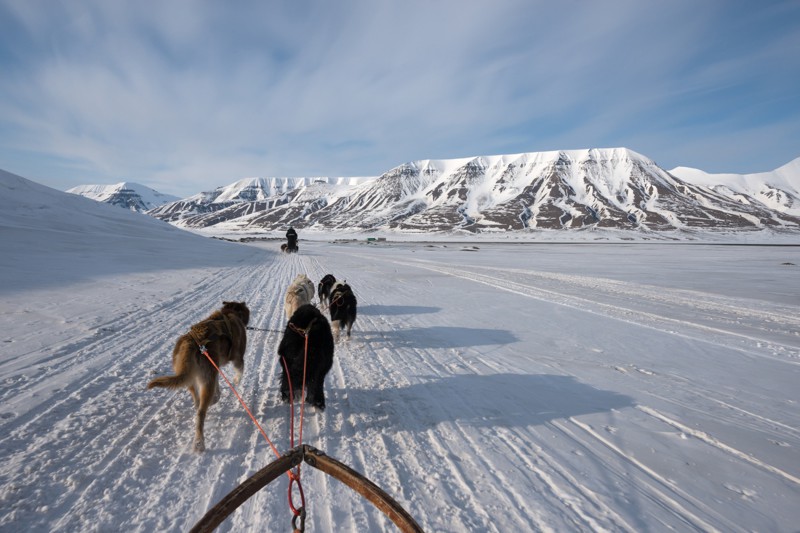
(315, 395)
(336, 326)
(239, 371)
(216, 395)
(319, 393)
(193, 392)
(206, 396)
(284, 386)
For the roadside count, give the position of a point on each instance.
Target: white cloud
(147, 91)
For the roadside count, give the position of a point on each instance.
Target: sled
(313, 457)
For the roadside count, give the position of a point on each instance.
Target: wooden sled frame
(369, 490)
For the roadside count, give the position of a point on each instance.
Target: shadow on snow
(496, 400)
(396, 310)
(439, 337)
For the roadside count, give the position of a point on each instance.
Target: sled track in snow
(406, 411)
(707, 309)
(471, 473)
(577, 292)
(719, 444)
(661, 490)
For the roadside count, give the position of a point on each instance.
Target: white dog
(301, 291)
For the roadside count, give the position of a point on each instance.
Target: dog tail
(170, 382)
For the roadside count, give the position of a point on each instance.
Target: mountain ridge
(561, 189)
(125, 194)
(779, 189)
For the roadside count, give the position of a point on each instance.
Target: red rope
(294, 476)
(303, 396)
(291, 403)
(274, 449)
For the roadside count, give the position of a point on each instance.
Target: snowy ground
(487, 387)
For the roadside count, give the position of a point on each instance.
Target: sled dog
(306, 324)
(324, 289)
(343, 308)
(224, 336)
(300, 291)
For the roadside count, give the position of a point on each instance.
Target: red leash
(294, 476)
(204, 351)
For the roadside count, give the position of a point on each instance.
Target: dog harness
(210, 330)
(341, 295)
(300, 331)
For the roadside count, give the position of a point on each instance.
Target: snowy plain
(488, 386)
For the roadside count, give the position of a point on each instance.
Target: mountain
(574, 189)
(779, 189)
(133, 196)
(246, 197)
(39, 223)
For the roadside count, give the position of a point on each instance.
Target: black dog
(324, 289)
(343, 308)
(309, 322)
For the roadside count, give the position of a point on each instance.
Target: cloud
(194, 94)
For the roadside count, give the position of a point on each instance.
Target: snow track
(710, 318)
(484, 396)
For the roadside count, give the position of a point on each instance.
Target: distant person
(291, 238)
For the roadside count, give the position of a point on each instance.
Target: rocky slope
(603, 188)
(128, 195)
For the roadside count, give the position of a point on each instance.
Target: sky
(185, 96)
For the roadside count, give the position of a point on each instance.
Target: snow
(101, 193)
(770, 188)
(488, 386)
(786, 177)
(268, 187)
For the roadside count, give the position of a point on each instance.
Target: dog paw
(199, 446)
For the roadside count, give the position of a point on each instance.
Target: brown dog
(224, 336)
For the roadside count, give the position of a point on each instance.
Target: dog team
(306, 346)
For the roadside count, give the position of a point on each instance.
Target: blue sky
(185, 96)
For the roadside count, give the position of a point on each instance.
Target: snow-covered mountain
(39, 223)
(574, 189)
(250, 196)
(779, 189)
(133, 196)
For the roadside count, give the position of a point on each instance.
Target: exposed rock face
(609, 188)
(131, 196)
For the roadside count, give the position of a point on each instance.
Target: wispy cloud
(190, 95)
